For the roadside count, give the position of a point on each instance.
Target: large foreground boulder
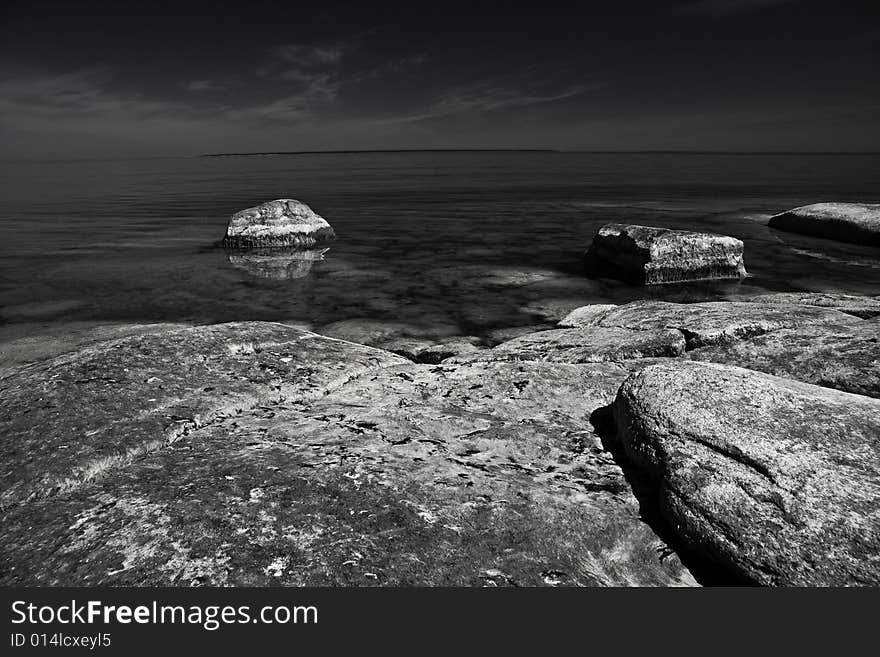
(845, 222)
(259, 454)
(775, 480)
(280, 223)
(648, 255)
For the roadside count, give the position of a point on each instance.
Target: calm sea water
(450, 243)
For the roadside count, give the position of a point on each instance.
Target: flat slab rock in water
(846, 222)
(280, 223)
(310, 461)
(649, 255)
(775, 480)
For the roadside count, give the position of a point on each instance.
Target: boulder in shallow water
(775, 480)
(648, 255)
(280, 223)
(846, 222)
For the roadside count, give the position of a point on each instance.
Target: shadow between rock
(706, 571)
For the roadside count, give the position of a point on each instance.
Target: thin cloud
(200, 86)
(299, 106)
(83, 99)
(482, 99)
(77, 93)
(311, 55)
(395, 66)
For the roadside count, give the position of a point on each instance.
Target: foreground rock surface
(312, 461)
(842, 356)
(34, 344)
(846, 222)
(852, 304)
(648, 255)
(777, 481)
(434, 352)
(280, 223)
(706, 323)
(588, 345)
(67, 420)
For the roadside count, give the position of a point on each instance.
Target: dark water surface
(448, 242)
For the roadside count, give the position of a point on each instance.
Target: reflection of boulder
(279, 263)
(281, 223)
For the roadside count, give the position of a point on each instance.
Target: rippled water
(451, 243)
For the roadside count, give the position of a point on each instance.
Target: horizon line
(559, 151)
(532, 150)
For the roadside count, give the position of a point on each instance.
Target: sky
(117, 79)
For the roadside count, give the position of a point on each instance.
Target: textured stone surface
(276, 263)
(279, 223)
(845, 222)
(431, 352)
(588, 315)
(842, 356)
(500, 335)
(343, 466)
(39, 344)
(72, 418)
(852, 304)
(644, 254)
(710, 322)
(776, 480)
(378, 333)
(588, 345)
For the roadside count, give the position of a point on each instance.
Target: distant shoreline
(389, 150)
(530, 150)
(555, 151)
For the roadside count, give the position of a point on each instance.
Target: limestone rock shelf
(624, 447)
(259, 454)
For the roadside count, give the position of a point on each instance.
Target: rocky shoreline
(650, 443)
